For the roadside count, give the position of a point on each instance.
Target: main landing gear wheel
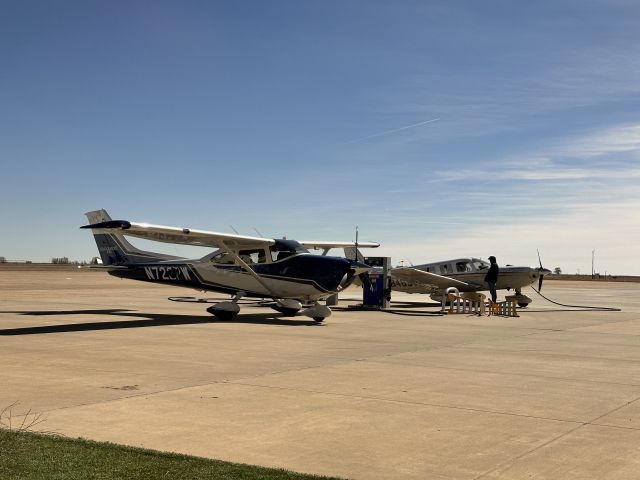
(223, 315)
(519, 299)
(287, 306)
(318, 319)
(225, 311)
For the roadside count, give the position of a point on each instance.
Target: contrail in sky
(387, 132)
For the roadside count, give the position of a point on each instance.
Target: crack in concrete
(513, 460)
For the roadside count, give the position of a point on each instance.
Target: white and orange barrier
(503, 309)
(469, 304)
(475, 304)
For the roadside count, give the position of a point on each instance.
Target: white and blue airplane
(467, 275)
(242, 266)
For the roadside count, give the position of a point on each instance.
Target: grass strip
(26, 455)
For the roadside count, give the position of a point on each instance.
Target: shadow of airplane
(407, 304)
(408, 308)
(105, 311)
(143, 320)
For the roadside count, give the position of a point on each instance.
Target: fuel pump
(376, 288)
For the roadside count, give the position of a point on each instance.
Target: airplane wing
(420, 276)
(185, 236)
(329, 245)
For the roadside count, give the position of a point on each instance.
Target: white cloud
(564, 240)
(593, 155)
(566, 211)
(616, 139)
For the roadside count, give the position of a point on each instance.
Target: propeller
(362, 275)
(356, 254)
(359, 269)
(358, 266)
(541, 272)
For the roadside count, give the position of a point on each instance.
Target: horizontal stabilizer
(121, 224)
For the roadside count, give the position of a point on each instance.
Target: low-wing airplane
(242, 266)
(467, 275)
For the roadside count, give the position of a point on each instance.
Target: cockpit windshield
(285, 248)
(480, 264)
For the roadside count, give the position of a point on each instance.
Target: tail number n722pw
(166, 272)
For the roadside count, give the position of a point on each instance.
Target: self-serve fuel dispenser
(376, 288)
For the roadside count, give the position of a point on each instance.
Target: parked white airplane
(467, 275)
(282, 270)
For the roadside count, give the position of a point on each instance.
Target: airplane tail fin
(115, 249)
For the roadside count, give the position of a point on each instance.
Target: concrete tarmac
(553, 394)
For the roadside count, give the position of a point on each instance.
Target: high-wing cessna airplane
(467, 275)
(242, 266)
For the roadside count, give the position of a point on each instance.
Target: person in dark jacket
(492, 278)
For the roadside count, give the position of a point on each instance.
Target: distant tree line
(66, 261)
(54, 260)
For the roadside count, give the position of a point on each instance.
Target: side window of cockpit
(444, 269)
(222, 258)
(462, 267)
(246, 257)
(252, 256)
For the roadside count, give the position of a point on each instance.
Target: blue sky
(441, 128)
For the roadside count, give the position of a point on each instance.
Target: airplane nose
(535, 272)
(540, 273)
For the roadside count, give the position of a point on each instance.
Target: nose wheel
(521, 300)
(317, 312)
